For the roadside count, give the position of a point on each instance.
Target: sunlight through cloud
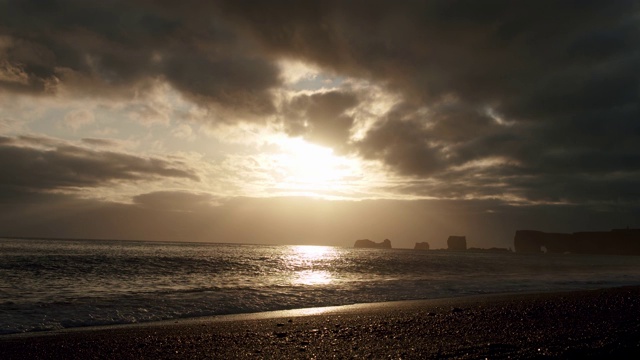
(305, 167)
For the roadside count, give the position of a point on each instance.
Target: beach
(578, 324)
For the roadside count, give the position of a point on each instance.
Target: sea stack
(457, 243)
(422, 246)
(366, 243)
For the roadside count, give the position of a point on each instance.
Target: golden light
(304, 168)
(311, 277)
(309, 253)
(304, 258)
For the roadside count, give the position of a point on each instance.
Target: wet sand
(586, 324)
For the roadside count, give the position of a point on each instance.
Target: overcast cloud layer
(521, 102)
(546, 93)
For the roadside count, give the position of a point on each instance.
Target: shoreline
(588, 323)
(313, 311)
(295, 313)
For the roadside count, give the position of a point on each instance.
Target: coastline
(577, 324)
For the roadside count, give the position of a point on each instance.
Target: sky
(318, 122)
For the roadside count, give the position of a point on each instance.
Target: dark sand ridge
(585, 324)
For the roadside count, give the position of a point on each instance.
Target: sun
(304, 168)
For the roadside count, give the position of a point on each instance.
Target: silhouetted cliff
(614, 242)
(422, 246)
(366, 243)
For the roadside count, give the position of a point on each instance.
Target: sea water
(55, 284)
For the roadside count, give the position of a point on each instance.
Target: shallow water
(54, 284)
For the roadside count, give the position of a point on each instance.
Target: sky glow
(443, 115)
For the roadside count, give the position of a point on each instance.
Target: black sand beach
(586, 324)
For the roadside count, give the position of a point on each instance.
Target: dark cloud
(321, 117)
(540, 92)
(238, 82)
(549, 87)
(403, 142)
(423, 141)
(28, 168)
(106, 48)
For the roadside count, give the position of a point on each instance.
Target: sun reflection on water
(308, 262)
(310, 277)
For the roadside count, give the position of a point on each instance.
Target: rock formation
(366, 243)
(457, 243)
(614, 242)
(422, 246)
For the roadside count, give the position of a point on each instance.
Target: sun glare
(307, 169)
(310, 277)
(305, 259)
(313, 252)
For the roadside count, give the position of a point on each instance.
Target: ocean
(56, 284)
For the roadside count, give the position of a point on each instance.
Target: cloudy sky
(318, 122)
